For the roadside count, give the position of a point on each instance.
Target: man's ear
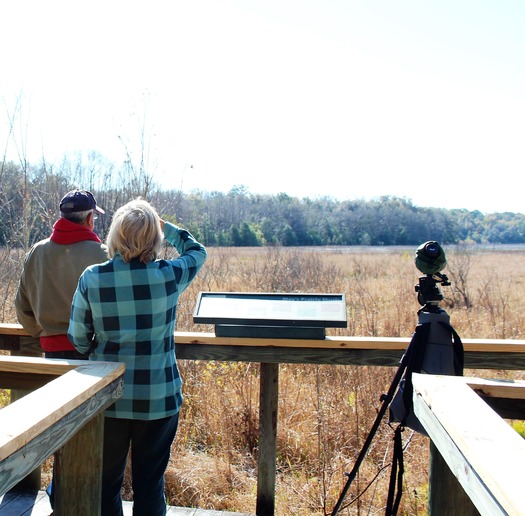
(90, 220)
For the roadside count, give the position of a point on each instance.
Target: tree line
(30, 195)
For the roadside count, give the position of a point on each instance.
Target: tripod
(428, 350)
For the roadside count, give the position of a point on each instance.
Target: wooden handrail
(335, 350)
(483, 451)
(372, 351)
(329, 342)
(77, 382)
(64, 416)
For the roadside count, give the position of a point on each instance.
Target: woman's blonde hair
(135, 232)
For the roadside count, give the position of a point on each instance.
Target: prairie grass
(325, 412)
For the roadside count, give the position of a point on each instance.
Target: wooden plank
(315, 355)
(369, 351)
(512, 389)
(24, 382)
(36, 503)
(505, 397)
(478, 446)
(40, 409)
(275, 355)
(345, 342)
(492, 360)
(32, 373)
(372, 357)
(49, 436)
(29, 502)
(38, 365)
(329, 342)
(13, 329)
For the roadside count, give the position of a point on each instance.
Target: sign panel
(269, 309)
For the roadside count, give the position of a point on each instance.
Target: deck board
(36, 503)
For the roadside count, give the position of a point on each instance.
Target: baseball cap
(79, 200)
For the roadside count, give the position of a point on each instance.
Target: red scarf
(67, 232)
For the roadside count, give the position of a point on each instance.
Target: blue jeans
(150, 452)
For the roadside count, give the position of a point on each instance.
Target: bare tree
(136, 172)
(458, 267)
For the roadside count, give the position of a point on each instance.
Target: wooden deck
(36, 503)
(366, 351)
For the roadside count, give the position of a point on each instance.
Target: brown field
(325, 412)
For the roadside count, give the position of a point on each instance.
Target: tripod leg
(387, 398)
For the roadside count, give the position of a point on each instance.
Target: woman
(124, 311)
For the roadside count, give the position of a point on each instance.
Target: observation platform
(101, 380)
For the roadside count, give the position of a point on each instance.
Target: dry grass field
(325, 412)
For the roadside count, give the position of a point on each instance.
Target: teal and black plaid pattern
(126, 312)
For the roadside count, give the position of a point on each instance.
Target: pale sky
(422, 99)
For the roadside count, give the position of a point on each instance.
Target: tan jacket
(49, 280)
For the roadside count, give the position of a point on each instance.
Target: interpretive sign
(279, 315)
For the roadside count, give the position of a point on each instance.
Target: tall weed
(325, 412)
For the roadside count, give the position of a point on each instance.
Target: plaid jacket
(125, 312)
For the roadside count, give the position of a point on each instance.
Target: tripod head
(430, 259)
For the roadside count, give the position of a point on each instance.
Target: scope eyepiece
(431, 249)
(430, 258)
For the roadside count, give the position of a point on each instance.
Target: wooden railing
(483, 452)
(372, 351)
(65, 415)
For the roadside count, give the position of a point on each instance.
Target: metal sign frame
(259, 314)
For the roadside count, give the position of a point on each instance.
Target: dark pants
(150, 453)
(72, 354)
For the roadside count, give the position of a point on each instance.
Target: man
(50, 276)
(51, 271)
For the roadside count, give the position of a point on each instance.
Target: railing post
(27, 347)
(445, 493)
(78, 471)
(268, 404)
